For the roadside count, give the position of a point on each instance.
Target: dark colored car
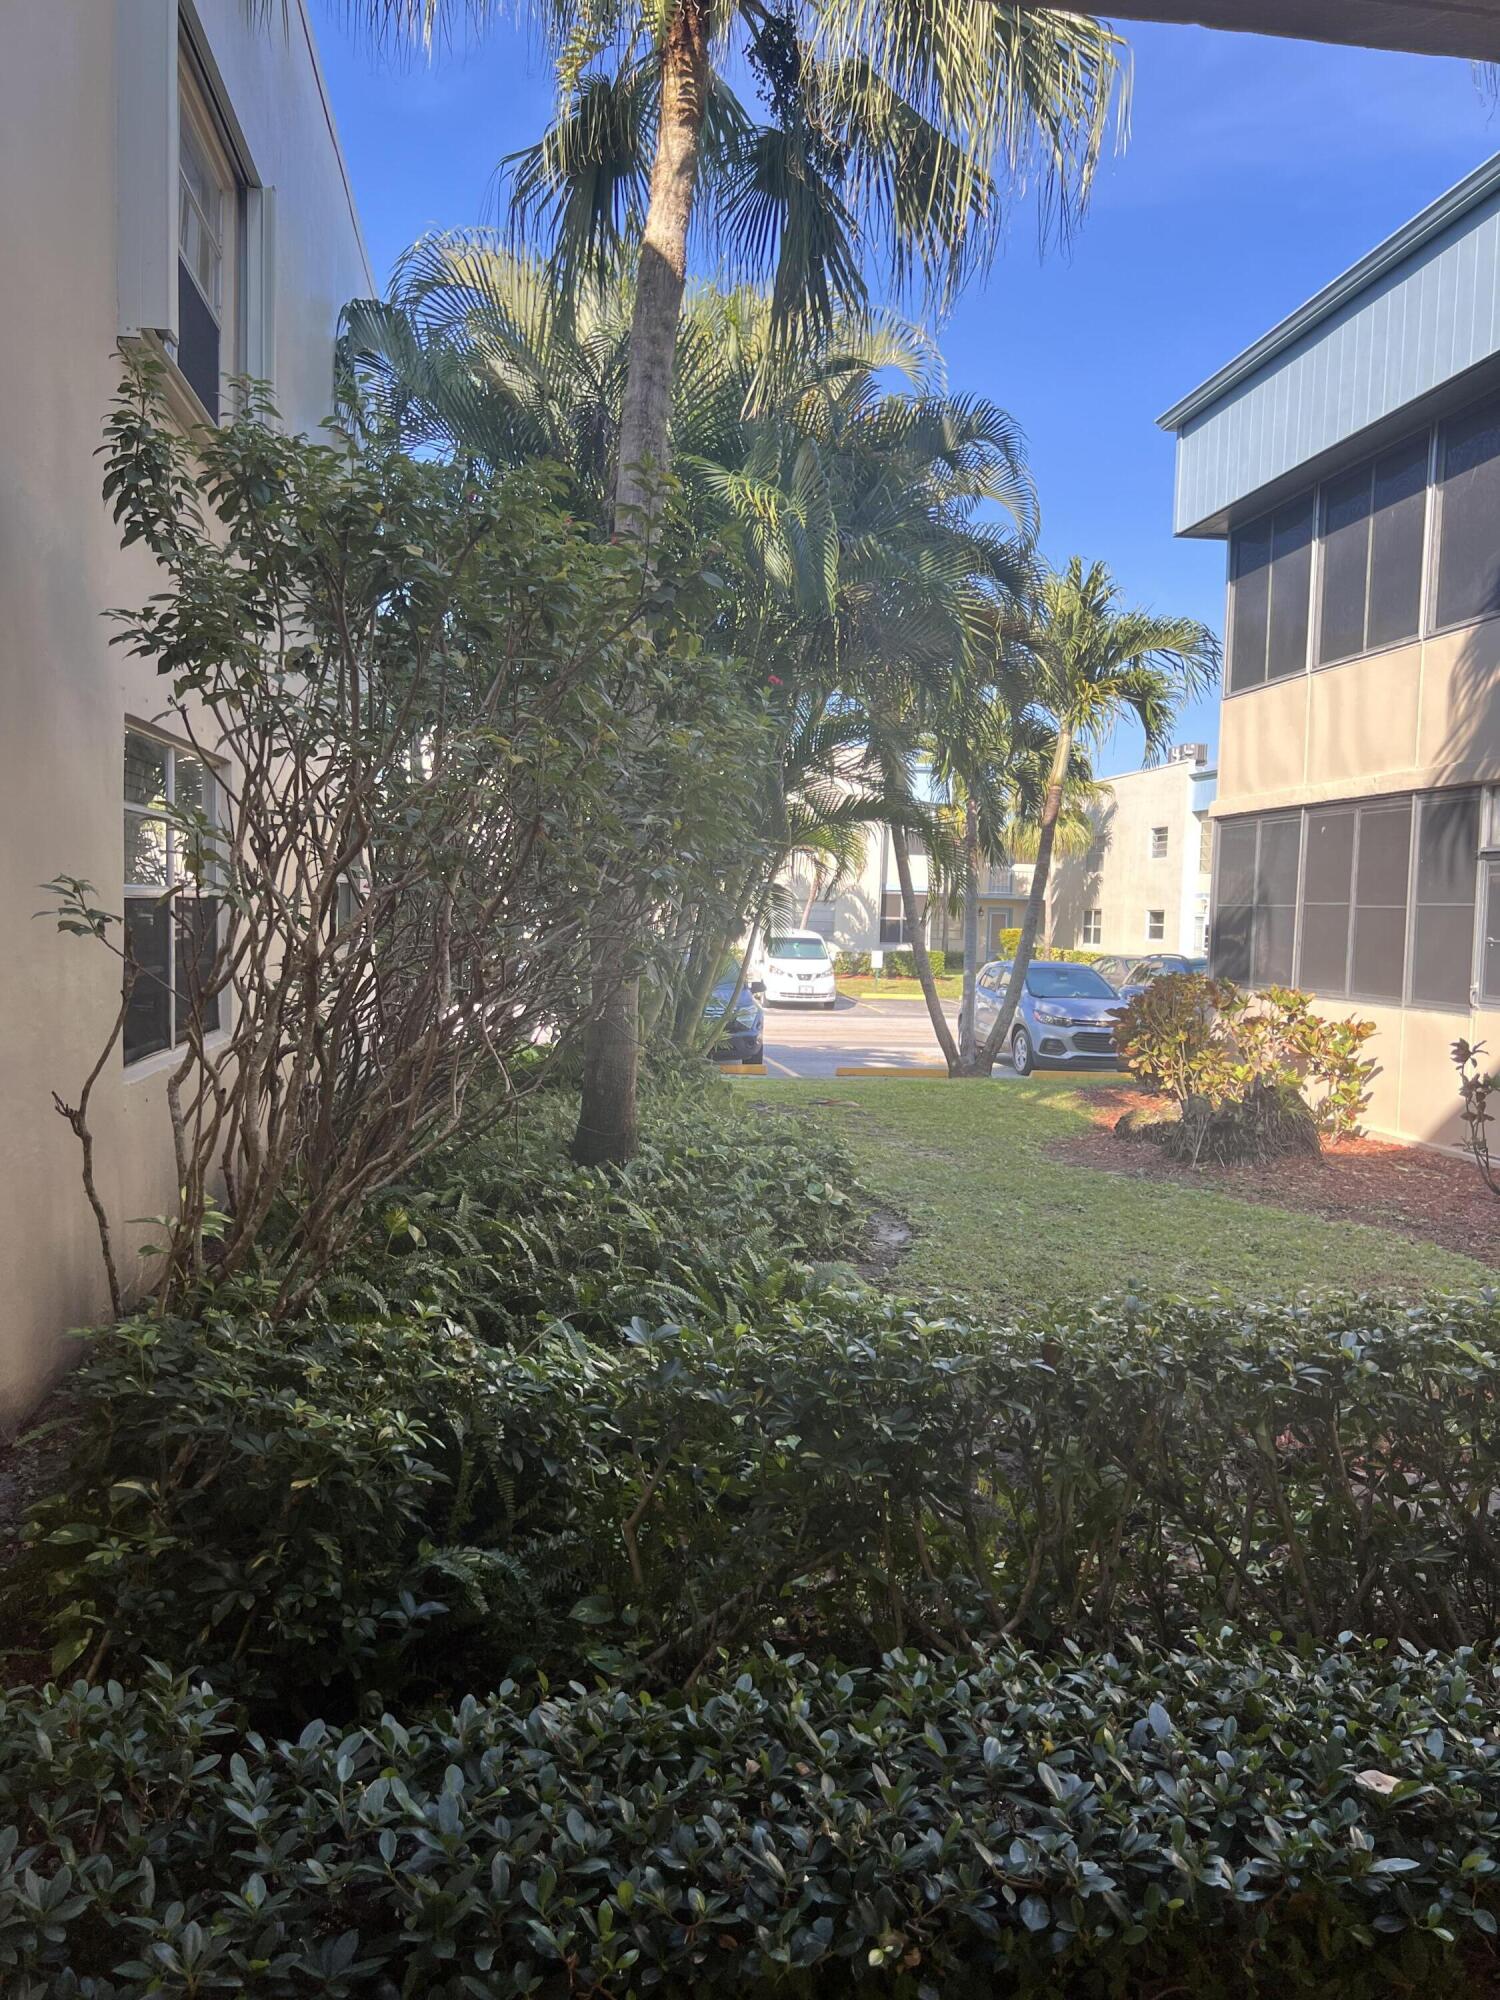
(744, 1039)
(1130, 976)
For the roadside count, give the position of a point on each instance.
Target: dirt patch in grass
(887, 1240)
(1411, 1190)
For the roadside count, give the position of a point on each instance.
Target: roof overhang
(1469, 28)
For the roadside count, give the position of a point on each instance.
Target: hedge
(405, 1509)
(1210, 1822)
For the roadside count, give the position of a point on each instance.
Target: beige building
(173, 176)
(1351, 459)
(1143, 886)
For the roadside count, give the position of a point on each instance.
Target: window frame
(1156, 926)
(199, 110)
(1416, 802)
(1161, 842)
(1428, 624)
(1093, 927)
(170, 895)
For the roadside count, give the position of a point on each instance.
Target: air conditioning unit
(1188, 753)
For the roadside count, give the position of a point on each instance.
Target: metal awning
(1423, 27)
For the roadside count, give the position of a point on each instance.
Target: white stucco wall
(1122, 879)
(65, 693)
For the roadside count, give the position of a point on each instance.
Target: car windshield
(799, 948)
(1067, 982)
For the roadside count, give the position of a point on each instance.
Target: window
(1093, 926)
(208, 242)
(1447, 866)
(1387, 903)
(1354, 895)
(1255, 917)
(820, 917)
(1468, 569)
(1156, 926)
(893, 927)
(1374, 528)
(172, 939)
(1489, 935)
(1272, 589)
(1158, 843)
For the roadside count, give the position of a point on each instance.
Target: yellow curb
(741, 1069)
(873, 1069)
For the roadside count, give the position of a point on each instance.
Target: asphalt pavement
(817, 1041)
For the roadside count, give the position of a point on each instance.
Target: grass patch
(999, 1221)
(865, 985)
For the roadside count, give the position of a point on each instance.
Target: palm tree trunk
(967, 1053)
(1036, 902)
(923, 963)
(607, 1119)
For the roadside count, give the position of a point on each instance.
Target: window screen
(1291, 587)
(1447, 866)
(1489, 940)
(171, 926)
(1374, 525)
(1249, 619)
(1274, 933)
(1328, 898)
(1377, 968)
(1234, 900)
(1468, 584)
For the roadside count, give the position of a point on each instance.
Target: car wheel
(1022, 1056)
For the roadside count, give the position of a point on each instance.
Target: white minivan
(799, 968)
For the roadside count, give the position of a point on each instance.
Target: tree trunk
(967, 1052)
(607, 1119)
(914, 931)
(1036, 902)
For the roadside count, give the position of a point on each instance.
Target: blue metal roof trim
(1420, 309)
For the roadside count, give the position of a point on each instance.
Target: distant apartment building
(173, 180)
(1142, 885)
(1350, 459)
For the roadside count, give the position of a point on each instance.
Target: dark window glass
(1469, 546)
(197, 943)
(1280, 851)
(1291, 587)
(893, 928)
(1273, 937)
(1447, 858)
(1378, 970)
(1230, 956)
(1236, 861)
(1489, 944)
(148, 1017)
(1346, 565)
(1250, 611)
(1396, 544)
(1327, 885)
(197, 342)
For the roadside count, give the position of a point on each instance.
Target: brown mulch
(1411, 1190)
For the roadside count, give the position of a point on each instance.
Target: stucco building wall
(65, 692)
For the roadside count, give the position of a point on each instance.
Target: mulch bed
(1410, 1190)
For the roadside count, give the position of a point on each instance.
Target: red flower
(773, 680)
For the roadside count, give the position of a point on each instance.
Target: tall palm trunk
(1036, 902)
(923, 963)
(607, 1119)
(967, 1052)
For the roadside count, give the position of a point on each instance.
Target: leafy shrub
(509, 1236)
(1253, 1076)
(1008, 943)
(852, 964)
(1210, 1822)
(1475, 1089)
(407, 1507)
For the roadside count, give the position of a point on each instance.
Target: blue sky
(1256, 170)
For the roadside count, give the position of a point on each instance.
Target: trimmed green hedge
(405, 1508)
(1208, 1823)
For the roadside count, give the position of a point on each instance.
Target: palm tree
(893, 125)
(1093, 662)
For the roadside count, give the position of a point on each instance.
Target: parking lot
(812, 1041)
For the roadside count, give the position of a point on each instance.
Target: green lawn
(998, 1220)
(865, 985)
